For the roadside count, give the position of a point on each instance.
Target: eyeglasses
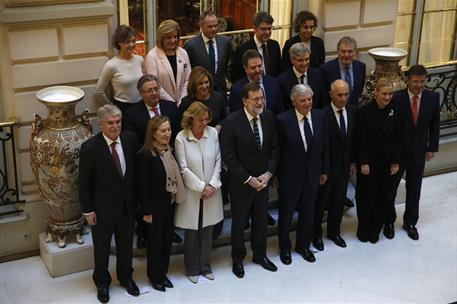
(257, 99)
(151, 90)
(265, 29)
(130, 41)
(308, 27)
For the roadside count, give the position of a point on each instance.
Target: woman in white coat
(199, 158)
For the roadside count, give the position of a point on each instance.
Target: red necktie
(156, 111)
(414, 109)
(117, 162)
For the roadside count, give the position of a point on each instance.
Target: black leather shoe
(158, 286)
(412, 232)
(176, 238)
(132, 288)
(238, 269)
(140, 243)
(103, 294)
(167, 283)
(374, 239)
(318, 244)
(389, 231)
(338, 240)
(348, 203)
(307, 255)
(285, 257)
(265, 263)
(270, 220)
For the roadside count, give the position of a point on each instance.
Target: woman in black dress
(378, 145)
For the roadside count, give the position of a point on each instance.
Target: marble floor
(392, 271)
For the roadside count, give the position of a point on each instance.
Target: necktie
(308, 133)
(342, 123)
(414, 108)
(347, 77)
(212, 55)
(255, 128)
(266, 59)
(156, 111)
(116, 160)
(303, 79)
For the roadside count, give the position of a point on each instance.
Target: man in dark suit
(345, 67)
(341, 118)
(136, 119)
(303, 166)
(107, 196)
(253, 66)
(210, 51)
(261, 42)
(249, 150)
(305, 24)
(420, 109)
(301, 72)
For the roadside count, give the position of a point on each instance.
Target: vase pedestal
(72, 258)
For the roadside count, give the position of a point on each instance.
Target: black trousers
(414, 173)
(160, 238)
(101, 238)
(331, 196)
(241, 206)
(305, 205)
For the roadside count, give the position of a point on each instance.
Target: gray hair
(347, 40)
(300, 89)
(146, 78)
(106, 110)
(299, 49)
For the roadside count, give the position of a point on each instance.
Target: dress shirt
(337, 115)
(119, 151)
(260, 50)
(411, 95)
(343, 74)
(298, 75)
(151, 112)
(205, 40)
(259, 125)
(300, 119)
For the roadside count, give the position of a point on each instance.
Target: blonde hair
(166, 27)
(196, 75)
(153, 125)
(383, 83)
(195, 110)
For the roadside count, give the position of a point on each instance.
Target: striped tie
(255, 128)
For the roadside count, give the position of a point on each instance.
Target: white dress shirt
(206, 40)
(337, 115)
(411, 95)
(119, 151)
(301, 123)
(298, 75)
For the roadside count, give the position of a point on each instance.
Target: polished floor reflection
(398, 270)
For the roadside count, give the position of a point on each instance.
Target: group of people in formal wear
(176, 143)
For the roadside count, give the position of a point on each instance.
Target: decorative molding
(21, 3)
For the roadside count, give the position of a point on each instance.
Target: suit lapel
(203, 51)
(247, 127)
(295, 128)
(106, 155)
(334, 123)
(167, 66)
(220, 52)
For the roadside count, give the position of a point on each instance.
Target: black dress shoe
(238, 269)
(318, 244)
(348, 203)
(132, 288)
(176, 238)
(338, 240)
(158, 286)
(140, 243)
(374, 239)
(307, 255)
(103, 294)
(389, 231)
(167, 283)
(412, 232)
(285, 257)
(270, 220)
(265, 263)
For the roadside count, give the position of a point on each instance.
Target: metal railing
(9, 193)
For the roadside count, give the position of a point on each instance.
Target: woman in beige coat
(169, 62)
(199, 158)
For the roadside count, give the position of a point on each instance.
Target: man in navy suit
(420, 109)
(253, 66)
(268, 48)
(345, 67)
(210, 51)
(341, 118)
(303, 167)
(107, 195)
(136, 120)
(301, 72)
(249, 150)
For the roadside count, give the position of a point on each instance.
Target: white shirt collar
(411, 95)
(335, 109)
(206, 39)
(258, 43)
(249, 116)
(109, 141)
(300, 116)
(190, 135)
(298, 74)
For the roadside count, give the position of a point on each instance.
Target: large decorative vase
(387, 66)
(54, 152)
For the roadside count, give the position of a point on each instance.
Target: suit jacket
(240, 153)
(424, 137)
(341, 147)
(287, 80)
(157, 64)
(101, 188)
(331, 72)
(198, 55)
(272, 92)
(295, 164)
(316, 58)
(274, 53)
(137, 117)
